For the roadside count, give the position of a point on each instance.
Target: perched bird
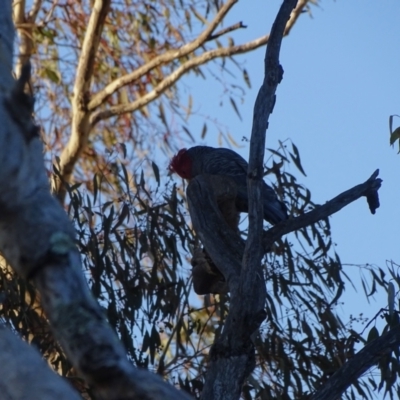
(188, 163)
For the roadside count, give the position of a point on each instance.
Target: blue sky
(341, 83)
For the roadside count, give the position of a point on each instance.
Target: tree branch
(368, 188)
(263, 108)
(25, 33)
(366, 358)
(80, 116)
(299, 9)
(232, 355)
(38, 241)
(164, 58)
(234, 27)
(33, 12)
(25, 375)
(167, 57)
(171, 79)
(224, 246)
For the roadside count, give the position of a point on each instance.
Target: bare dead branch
(263, 108)
(80, 116)
(25, 375)
(226, 250)
(232, 355)
(203, 193)
(367, 188)
(359, 364)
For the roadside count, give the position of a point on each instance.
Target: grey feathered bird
(188, 163)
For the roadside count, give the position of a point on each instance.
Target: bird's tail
(274, 210)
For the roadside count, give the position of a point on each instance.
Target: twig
(224, 31)
(33, 12)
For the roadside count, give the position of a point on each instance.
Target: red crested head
(181, 164)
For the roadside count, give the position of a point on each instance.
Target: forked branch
(232, 355)
(192, 63)
(225, 246)
(86, 113)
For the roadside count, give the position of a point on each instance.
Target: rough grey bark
(37, 240)
(25, 375)
(232, 355)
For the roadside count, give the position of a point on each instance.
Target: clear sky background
(341, 83)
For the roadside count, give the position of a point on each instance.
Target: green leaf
(49, 34)
(156, 172)
(235, 107)
(190, 106)
(122, 216)
(106, 205)
(95, 187)
(395, 135)
(75, 186)
(52, 75)
(391, 294)
(246, 78)
(188, 132)
(373, 334)
(232, 140)
(123, 148)
(204, 131)
(126, 177)
(146, 341)
(162, 114)
(306, 329)
(391, 124)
